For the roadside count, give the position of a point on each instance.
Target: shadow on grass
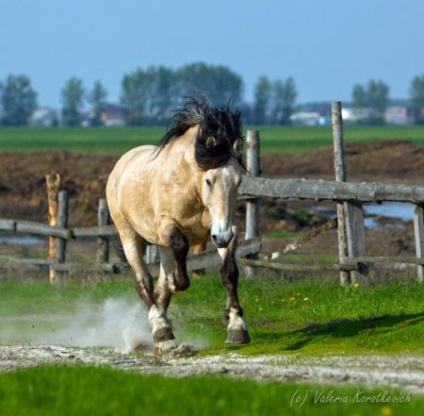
(348, 328)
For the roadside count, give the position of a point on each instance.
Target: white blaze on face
(220, 196)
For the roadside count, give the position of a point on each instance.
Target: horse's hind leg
(237, 328)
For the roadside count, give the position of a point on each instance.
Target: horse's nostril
(219, 241)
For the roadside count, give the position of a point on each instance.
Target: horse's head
(218, 159)
(219, 195)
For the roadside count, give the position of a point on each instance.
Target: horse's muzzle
(222, 241)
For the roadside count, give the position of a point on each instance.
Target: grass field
(309, 318)
(118, 140)
(92, 391)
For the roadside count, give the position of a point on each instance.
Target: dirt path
(406, 373)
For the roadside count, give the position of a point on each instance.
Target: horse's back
(137, 157)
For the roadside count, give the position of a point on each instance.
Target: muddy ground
(23, 196)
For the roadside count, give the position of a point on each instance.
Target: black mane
(219, 122)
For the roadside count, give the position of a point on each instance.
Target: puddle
(402, 211)
(21, 239)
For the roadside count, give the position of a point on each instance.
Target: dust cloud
(116, 322)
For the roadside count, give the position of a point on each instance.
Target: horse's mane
(220, 122)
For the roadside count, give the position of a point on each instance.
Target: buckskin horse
(176, 195)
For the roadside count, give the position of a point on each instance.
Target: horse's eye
(209, 183)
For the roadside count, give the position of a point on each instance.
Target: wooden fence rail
(103, 232)
(322, 190)
(289, 189)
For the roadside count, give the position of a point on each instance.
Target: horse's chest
(197, 227)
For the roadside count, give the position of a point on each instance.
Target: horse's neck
(181, 166)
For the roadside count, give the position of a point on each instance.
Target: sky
(327, 46)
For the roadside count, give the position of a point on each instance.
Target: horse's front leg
(168, 283)
(237, 328)
(173, 279)
(134, 249)
(174, 259)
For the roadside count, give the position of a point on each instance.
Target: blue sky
(327, 46)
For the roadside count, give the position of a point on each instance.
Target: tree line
(148, 96)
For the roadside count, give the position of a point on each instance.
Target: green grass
(317, 317)
(118, 140)
(102, 391)
(283, 234)
(304, 319)
(301, 139)
(307, 317)
(93, 140)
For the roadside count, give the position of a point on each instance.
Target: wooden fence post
(252, 205)
(53, 185)
(340, 174)
(350, 216)
(62, 221)
(419, 238)
(102, 255)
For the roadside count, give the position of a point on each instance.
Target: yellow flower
(306, 299)
(386, 411)
(356, 284)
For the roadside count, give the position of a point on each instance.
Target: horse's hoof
(238, 336)
(170, 349)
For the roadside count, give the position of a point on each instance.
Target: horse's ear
(210, 142)
(238, 146)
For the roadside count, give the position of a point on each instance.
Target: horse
(180, 194)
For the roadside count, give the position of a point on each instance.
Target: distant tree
(161, 94)
(134, 95)
(378, 98)
(97, 98)
(219, 83)
(73, 94)
(150, 95)
(370, 101)
(262, 100)
(283, 95)
(17, 100)
(416, 93)
(359, 103)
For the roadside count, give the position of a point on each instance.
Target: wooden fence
(103, 232)
(348, 196)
